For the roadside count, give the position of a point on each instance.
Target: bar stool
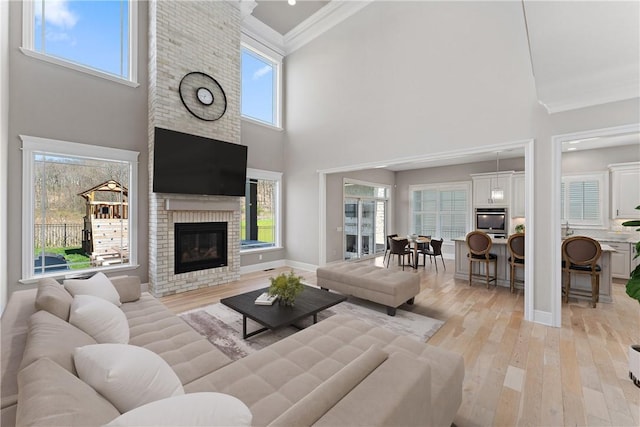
(515, 244)
(580, 255)
(479, 246)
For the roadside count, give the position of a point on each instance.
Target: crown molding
(244, 6)
(320, 22)
(264, 34)
(592, 98)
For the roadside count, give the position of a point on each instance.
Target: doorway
(562, 144)
(365, 220)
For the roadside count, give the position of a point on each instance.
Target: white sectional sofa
(341, 371)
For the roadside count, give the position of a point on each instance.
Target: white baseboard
(543, 317)
(301, 265)
(262, 266)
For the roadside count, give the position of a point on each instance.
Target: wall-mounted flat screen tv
(190, 164)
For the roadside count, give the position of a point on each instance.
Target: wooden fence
(58, 235)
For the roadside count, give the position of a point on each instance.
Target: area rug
(222, 326)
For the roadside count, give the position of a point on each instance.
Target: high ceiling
(582, 53)
(282, 17)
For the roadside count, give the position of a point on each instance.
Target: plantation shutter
(440, 212)
(582, 200)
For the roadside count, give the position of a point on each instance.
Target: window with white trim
(79, 208)
(440, 210)
(260, 224)
(97, 37)
(261, 85)
(583, 199)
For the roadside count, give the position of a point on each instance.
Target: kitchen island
(578, 281)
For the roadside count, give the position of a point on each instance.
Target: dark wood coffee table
(308, 303)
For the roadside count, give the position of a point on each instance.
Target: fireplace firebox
(200, 246)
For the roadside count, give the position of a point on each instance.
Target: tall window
(260, 222)
(79, 208)
(94, 36)
(261, 85)
(584, 199)
(440, 210)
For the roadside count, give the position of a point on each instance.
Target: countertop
(603, 247)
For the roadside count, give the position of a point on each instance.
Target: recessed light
(291, 2)
(572, 149)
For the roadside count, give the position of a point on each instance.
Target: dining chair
(515, 245)
(401, 248)
(386, 251)
(479, 245)
(580, 255)
(434, 252)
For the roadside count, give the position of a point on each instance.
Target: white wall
(51, 101)
(4, 134)
(407, 79)
(599, 159)
(266, 152)
(399, 80)
(335, 205)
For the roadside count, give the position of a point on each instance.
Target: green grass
(265, 230)
(75, 257)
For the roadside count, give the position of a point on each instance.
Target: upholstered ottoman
(377, 284)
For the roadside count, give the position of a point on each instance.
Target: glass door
(380, 235)
(365, 219)
(351, 228)
(364, 227)
(367, 228)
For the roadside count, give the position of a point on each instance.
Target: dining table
(414, 244)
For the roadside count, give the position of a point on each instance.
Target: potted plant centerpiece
(633, 290)
(287, 287)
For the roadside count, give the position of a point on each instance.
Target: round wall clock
(203, 96)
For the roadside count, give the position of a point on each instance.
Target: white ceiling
(583, 53)
(282, 17)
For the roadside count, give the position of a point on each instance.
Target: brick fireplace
(185, 37)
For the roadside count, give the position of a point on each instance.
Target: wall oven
(493, 221)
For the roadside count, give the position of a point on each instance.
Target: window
(440, 210)
(98, 37)
(78, 206)
(583, 199)
(261, 85)
(260, 212)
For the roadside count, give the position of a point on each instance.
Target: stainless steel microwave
(492, 221)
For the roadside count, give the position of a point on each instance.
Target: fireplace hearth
(200, 246)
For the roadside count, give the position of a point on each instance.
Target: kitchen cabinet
(620, 259)
(625, 190)
(517, 195)
(483, 183)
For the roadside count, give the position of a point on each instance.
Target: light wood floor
(517, 372)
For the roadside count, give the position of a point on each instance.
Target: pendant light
(497, 193)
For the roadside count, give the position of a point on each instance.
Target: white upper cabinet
(517, 195)
(484, 183)
(625, 190)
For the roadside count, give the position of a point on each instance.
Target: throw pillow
(52, 297)
(127, 375)
(97, 285)
(51, 396)
(105, 322)
(193, 409)
(128, 288)
(49, 336)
